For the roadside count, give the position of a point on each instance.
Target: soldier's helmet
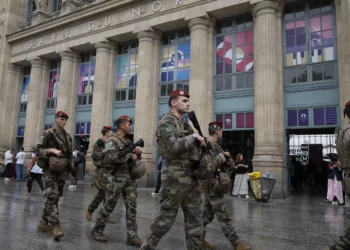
(138, 170)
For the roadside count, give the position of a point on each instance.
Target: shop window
(175, 62)
(20, 131)
(82, 128)
(126, 72)
(51, 98)
(309, 42)
(86, 79)
(234, 54)
(24, 90)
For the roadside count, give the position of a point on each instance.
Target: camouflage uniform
(97, 155)
(116, 175)
(177, 146)
(343, 150)
(214, 203)
(54, 182)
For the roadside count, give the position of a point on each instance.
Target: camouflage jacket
(343, 146)
(112, 158)
(97, 152)
(52, 139)
(175, 140)
(223, 164)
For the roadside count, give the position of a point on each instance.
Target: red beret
(179, 92)
(108, 127)
(125, 117)
(216, 124)
(62, 114)
(347, 104)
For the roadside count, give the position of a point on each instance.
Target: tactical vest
(343, 152)
(182, 130)
(115, 143)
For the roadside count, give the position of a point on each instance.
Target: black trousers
(8, 170)
(35, 177)
(159, 182)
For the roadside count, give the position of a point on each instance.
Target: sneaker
(239, 196)
(154, 193)
(70, 186)
(44, 193)
(247, 197)
(334, 203)
(6, 179)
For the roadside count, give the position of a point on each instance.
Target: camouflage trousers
(215, 205)
(172, 198)
(100, 196)
(54, 183)
(119, 184)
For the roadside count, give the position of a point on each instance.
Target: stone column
(146, 104)
(102, 104)
(11, 102)
(343, 42)
(39, 76)
(211, 67)
(67, 87)
(268, 155)
(201, 100)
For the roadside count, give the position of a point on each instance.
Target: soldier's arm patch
(167, 129)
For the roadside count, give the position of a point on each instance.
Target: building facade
(264, 68)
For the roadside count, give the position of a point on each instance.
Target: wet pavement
(299, 222)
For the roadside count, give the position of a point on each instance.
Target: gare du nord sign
(106, 21)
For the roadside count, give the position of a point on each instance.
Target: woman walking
(35, 173)
(335, 177)
(240, 188)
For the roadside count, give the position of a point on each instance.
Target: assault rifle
(131, 147)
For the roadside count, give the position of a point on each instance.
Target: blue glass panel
(319, 116)
(171, 76)
(163, 77)
(303, 117)
(292, 118)
(331, 116)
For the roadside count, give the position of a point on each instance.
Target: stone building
(262, 67)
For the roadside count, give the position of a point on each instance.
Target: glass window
(234, 54)
(86, 78)
(31, 7)
(20, 131)
(53, 85)
(309, 40)
(24, 90)
(82, 128)
(126, 72)
(175, 62)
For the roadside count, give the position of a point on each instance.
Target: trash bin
(262, 185)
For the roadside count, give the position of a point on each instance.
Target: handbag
(57, 164)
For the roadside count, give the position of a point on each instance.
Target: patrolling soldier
(97, 155)
(177, 144)
(119, 181)
(343, 150)
(215, 188)
(54, 149)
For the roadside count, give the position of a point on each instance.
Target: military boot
(206, 245)
(88, 215)
(97, 236)
(242, 246)
(57, 232)
(134, 241)
(109, 220)
(145, 247)
(43, 227)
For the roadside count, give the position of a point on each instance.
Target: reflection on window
(309, 39)
(86, 78)
(175, 62)
(126, 72)
(82, 128)
(235, 54)
(53, 85)
(24, 90)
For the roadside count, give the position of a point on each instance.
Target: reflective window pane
(329, 71)
(317, 73)
(290, 76)
(302, 74)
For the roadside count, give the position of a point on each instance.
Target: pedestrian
(311, 171)
(78, 159)
(214, 203)
(160, 165)
(240, 188)
(54, 151)
(177, 145)
(97, 155)
(119, 182)
(8, 164)
(343, 150)
(335, 177)
(35, 173)
(20, 164)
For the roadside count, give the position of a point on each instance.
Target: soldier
(54, 149)
(216, 187)
(343, 150)
(177, 145)
(97, 155)
(119, 181)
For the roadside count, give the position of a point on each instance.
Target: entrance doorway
(307, 159)
(82, 142)
(240, 142)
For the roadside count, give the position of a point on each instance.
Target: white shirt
(20, 157)
(36, 169)
(8, 157)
